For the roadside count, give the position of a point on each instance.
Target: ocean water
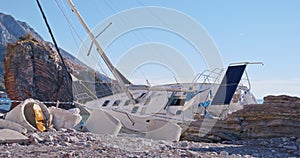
(260, 101)
(5, 104)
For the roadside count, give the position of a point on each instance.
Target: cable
(69, 23)
(53, 39)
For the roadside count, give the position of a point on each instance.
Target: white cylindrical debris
(24, 114)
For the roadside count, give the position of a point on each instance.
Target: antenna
(101, 52)
(175, 79)
(148, 83)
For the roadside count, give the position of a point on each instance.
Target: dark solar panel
(228, 85)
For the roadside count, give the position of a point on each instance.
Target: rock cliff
(11, 29)
(278, 116)
(33, 69)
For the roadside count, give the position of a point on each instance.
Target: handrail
(246, 63)
(207, 77)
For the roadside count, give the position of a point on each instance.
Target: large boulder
(33, 69)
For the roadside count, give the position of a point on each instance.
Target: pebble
(73, 139)
(162, 142)
(115, 147)
(64, 144)
(63, 130)
(214, 153)
(291, 147)
(70, 130)
(67, 139)
(184, 144)
(285, 139)
(256, 155)
(293, 138)
(192, 153)
(297, 153)
(36, 137)
(49, 138)
(89, 138)
(280, 145)
(162, 147)
(81, 143)
(224, 154)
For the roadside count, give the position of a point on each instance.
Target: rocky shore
(72, 143)
(278, 116)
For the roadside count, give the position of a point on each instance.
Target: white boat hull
(101, 122)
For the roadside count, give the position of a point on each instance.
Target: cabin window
(116, 103)
(147, 101)
(189, 96)
(178, 112)
(177, 102)
(105, 103)
(142, 95)
(143, 111)
(126, 102)
(134, 109)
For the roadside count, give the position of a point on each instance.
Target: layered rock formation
(278, 116)
(10, 31)
(33, 69)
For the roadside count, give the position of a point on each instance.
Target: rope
(45, 102)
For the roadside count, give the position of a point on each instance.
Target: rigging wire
(69, 24)
(154, 15)
(72, 29)
(162, 55)
(99, 64)
(138, 35)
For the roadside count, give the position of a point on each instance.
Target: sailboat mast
(101, 52)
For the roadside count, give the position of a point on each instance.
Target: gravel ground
(72, 143)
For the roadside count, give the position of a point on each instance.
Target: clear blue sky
(267, 31)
